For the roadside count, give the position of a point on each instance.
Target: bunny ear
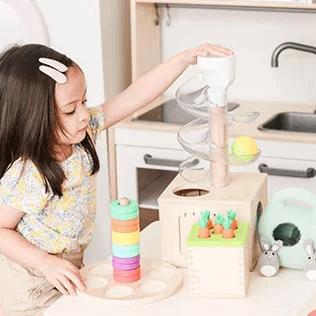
(264, 243)
(309, 246)
(277, 245)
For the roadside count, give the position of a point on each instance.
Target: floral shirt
(51, 223)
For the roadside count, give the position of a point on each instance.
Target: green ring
(117, 208)
(125, 217)
(124, 212)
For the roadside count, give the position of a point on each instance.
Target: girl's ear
(277, 245)
(309, 247)
(264, 243)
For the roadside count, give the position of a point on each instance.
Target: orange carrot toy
(228, 231)
(218, 227)
(204, 231)
(232, 216)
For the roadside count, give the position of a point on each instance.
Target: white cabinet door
(283, 173)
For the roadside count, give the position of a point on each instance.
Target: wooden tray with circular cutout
(158, 280)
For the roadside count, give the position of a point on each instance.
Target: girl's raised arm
(152, 84)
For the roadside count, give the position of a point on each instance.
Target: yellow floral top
(51, 223)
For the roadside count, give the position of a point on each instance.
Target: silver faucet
(291, 45)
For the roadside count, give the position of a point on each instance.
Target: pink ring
(126, 260)
(126, 274)
(127, 279)
(125, 267)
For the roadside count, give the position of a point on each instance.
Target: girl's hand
(62, 274)
(190, 55)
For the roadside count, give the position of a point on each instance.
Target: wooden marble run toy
(204, 180)
(218, 265)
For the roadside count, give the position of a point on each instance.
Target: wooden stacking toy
(122, 279)
(125, 240)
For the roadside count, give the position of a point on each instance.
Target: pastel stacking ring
(127, 273)
(125, 239)
(125, 216)
(125, 267)
(124, 212)
(125, 251)
(131, 222)
(126, 260)
(127, 276)
(125, 226)
(125, 229)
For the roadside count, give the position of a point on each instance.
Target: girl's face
(73, 113)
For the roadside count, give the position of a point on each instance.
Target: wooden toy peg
(124, 201)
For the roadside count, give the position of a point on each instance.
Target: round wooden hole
(190, 192)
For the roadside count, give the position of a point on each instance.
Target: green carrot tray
(217, 240)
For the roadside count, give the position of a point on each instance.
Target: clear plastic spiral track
(199, 96)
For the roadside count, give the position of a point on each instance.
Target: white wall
(253, 35)
(74, 28)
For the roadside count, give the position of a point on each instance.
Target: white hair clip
(55, 71)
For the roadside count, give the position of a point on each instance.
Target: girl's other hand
(207, 49)
(62, 274)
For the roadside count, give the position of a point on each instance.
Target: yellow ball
(244, 147)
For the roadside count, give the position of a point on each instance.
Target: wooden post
(219, 137)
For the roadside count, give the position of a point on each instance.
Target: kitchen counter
(266, 111)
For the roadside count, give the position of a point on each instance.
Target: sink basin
(290, 122)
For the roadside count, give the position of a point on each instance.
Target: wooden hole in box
(191, 192)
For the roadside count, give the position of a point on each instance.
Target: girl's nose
(85, 116)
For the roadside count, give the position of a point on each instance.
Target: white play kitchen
(194, 158)
(144, 151)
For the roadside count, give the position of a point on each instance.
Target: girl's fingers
(216, 49)
(67, 284)
(76, 279)
(219, 51)
(60, 287)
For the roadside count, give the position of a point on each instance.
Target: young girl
(48, 167)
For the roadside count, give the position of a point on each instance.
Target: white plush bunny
(310, 264)
(269, 262)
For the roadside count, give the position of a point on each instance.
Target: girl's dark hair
(29, 118)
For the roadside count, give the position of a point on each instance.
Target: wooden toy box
(181, 203)
(218, 267)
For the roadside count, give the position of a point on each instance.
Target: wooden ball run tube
(219, 136)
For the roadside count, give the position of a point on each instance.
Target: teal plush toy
(292, 223)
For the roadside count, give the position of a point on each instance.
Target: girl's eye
(84, 101)
(70, 113)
